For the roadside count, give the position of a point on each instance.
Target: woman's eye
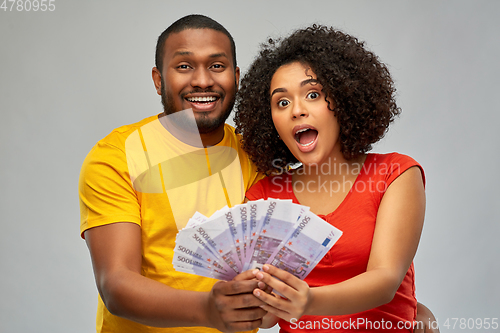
(283, 103)
(313, 95)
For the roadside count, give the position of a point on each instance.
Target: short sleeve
(398, 164)
(105, 191)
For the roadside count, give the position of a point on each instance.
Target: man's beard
(204, 123)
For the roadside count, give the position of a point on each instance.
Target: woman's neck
(331, 169)
(323, 187)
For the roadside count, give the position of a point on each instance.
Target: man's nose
(202, 78)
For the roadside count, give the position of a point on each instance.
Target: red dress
(356, 217)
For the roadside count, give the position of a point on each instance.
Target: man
(140, 184)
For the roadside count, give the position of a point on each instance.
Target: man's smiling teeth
(202, 99)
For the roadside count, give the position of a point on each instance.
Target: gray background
(71, 76)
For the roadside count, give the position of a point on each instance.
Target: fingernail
(261, 285)
(255, 271)
(257, 292)
(265, 268)
(259, 275)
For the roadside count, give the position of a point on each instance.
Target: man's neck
(191, 136)
(212, 138)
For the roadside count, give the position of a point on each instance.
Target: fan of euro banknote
(247, 236)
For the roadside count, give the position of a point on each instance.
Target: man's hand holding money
(232, 307)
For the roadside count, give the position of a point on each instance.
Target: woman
(320, 98)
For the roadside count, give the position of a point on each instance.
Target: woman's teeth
(305, 137)
(306, 144)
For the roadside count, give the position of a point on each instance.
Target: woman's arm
(397, 233)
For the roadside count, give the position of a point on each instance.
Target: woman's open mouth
(306, 137)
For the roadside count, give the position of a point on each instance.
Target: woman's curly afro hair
(359, 84)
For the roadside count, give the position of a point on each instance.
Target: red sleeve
(398, 164)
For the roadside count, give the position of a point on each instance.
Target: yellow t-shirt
(140, 173)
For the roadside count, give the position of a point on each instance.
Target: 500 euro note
(254, 215)
(240, 216)
(217, 234)
(279, 220)
(197, 219)
(273, 231)
(299, 253)
(193, 266)
(189, 245)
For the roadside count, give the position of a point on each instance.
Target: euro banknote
(247, 236)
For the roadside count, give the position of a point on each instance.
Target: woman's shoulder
(393, 157)
(275, 186)
(391, 165)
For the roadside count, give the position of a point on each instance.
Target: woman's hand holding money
(296, 293)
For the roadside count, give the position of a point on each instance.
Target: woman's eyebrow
(309, 81)
(278, 90)
(303, 83)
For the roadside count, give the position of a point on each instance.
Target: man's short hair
(194, 21)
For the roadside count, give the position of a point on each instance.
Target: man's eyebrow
(189, 53)
(182, 53)
(218, 55)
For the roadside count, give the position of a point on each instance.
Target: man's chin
(207, 127)
(208, 122)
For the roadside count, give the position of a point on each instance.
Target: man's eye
(283, 103)
(217, 66)
(313, 95)
(183, 66)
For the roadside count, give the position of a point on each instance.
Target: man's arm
(424, 318)
(115, 250)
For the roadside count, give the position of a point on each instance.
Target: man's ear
(157, 80)
(237, 77)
